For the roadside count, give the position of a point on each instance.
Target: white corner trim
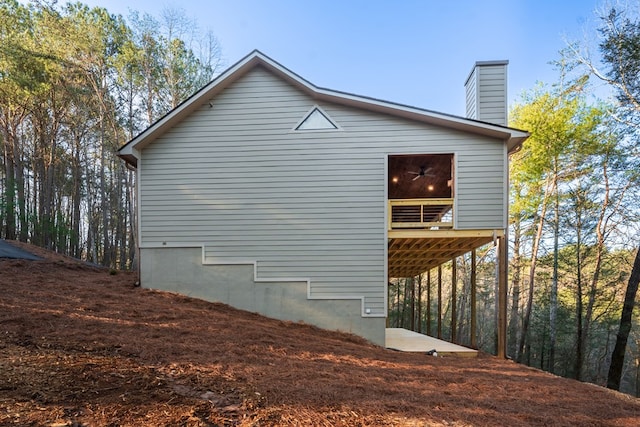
(507, 184)
(385, 243)
(454, 190)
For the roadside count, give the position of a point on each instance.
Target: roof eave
(514, 144)
(130, 159)
(512, 137)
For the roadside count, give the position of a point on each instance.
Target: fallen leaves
(81, 347)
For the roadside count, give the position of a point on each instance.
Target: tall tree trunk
(617, 357)
(463, 303)
(10, 120)
(77, 197)
(580, 344)
(38, 187)
(515, 293)
(23, 233)
(532, 272)
(49, 208)
(14, 161)
(413, 303)
(45, 153)
(104, 206)
(133, 219)
(600, 229)
(10, 193)
(553, 297)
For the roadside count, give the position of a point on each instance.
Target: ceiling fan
(424, 172)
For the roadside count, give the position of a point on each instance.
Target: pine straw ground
(82, 347)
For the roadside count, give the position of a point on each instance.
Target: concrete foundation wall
(181, 270)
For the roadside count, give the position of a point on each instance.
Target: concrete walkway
(405, 340)
(7, 250)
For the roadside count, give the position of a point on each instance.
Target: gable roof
(512, 137)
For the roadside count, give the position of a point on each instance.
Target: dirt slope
(82, 347)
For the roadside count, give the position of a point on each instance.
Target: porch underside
(412, 252)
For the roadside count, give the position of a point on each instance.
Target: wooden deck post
(429, 302)
(454, 296)
(502, 297)
(420, 303)
(472, 328)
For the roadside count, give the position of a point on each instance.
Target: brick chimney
(486, 92)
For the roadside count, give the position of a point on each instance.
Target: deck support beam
(420, 303)
(502, 297)
(472, 327)
(454, 296)
(440, 302)
(428, 302)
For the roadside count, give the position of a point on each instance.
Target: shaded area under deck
(415, 251)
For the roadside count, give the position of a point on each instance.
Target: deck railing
(420, 213)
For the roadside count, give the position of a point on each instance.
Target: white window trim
(324, 113)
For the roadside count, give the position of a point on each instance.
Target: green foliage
(74, 85)
(561, 126)
(572, 187)
(620, 50)
(620, 47)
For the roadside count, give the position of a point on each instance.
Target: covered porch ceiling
(420, 176)
(412, 252)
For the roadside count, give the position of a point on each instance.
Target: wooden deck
(405, 340)
(411, 252)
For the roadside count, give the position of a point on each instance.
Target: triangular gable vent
(316, 120)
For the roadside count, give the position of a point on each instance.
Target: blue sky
(412, 52)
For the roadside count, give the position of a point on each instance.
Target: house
(275, 196)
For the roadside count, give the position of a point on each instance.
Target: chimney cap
(498, 62)
(485, 64)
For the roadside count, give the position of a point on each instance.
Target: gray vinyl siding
(481, 194)
(471, 95)
(492, 94)
(237, 179)
(486, 93)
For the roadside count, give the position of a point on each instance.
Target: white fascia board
(513, 137)
(509, 135)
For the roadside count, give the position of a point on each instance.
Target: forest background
(77, 82)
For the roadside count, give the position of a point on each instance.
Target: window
(316, 119)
